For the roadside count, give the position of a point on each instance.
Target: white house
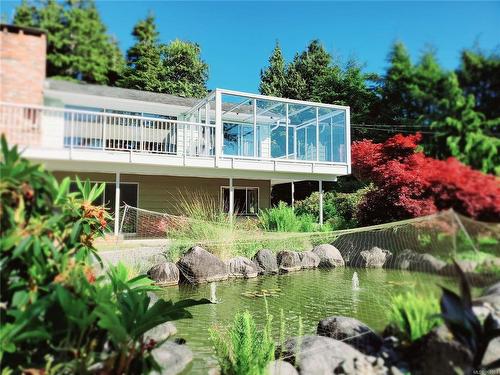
(152, 148)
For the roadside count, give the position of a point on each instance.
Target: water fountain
(213, 290)
(355, 281)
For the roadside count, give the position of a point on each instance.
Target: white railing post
(71, 132)
(103, 124)
(218, 126)
(287, 134)
(254, 102)
(117, 204)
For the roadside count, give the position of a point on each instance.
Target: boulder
(413, 261)
(468, 266)
(199, 266)
(492, 352)
(329, 256)
(492, 289)
(352, 332)
(279, 367)
(439, 353)
(161, 332)
(308, 259)
(373, 258)
(172, 358)
(241, 267)
(266, 262)
(288, 261)
(317, 355)
(165, 273)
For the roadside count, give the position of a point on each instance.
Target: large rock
(165, 273)
(318, 355)
(329, 256)
(172, 358)
(352, 332)
(199, 266)
(288, 261)
(373, 258)
(241, 267)
(266, 262)
(279, 367)
(413, 261)
(308, 259)
(493, 289)
(439, 353)
(492, 352)
(467, 266)
(161, 332)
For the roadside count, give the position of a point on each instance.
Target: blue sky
(237, 37)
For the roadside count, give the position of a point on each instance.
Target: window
(246, 200)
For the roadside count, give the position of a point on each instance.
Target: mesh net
(384, 261)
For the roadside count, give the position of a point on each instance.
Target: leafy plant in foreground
(414, 315)
(244, 349)
(460, 319)
(53, 306)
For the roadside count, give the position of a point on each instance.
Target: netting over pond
(381, 262)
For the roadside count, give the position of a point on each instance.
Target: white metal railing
(51, 127)
(61, 128)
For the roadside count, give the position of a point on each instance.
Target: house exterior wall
(165, 193)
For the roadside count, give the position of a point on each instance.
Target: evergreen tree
(78, 46)
(463, 132)
(175, 68)
(295, 86)
(479, 75)
(144, 58)
(184, 72)
(396, 104)
(273, 79)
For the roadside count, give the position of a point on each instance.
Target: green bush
(55, 311)
(414, 315)
(283, 218)
(339, 209)
(243, 349)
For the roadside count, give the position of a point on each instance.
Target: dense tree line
(457, 111)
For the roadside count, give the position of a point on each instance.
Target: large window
(246, 200)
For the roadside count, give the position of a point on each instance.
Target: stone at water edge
(329, 256)
(199, 266)
(288, 261)
(266, 262)
(161, 332)
(350, 331)
(323, 355)
(241, 267)
(308, 259)
(373, 258)
(492, 289)
(427, 354)
(280, 367)
(165, 273)
(172, 358)
(413, 261)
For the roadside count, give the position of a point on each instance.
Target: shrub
(414, 315)
(283, 218)
(339, 209)
(243, 349)
(55, 311)
(409, 184)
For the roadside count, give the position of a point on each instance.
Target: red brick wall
(22, 65)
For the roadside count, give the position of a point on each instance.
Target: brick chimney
(23, 53)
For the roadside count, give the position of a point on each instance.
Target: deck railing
(50, 127)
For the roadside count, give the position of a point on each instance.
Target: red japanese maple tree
(410, 184)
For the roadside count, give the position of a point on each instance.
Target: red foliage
(410, 184)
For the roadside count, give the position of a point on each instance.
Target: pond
(309, 294)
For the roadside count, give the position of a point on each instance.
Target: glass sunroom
(260, 127)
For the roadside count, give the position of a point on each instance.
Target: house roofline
(25, 29)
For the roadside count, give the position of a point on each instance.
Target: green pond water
(310, 294)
